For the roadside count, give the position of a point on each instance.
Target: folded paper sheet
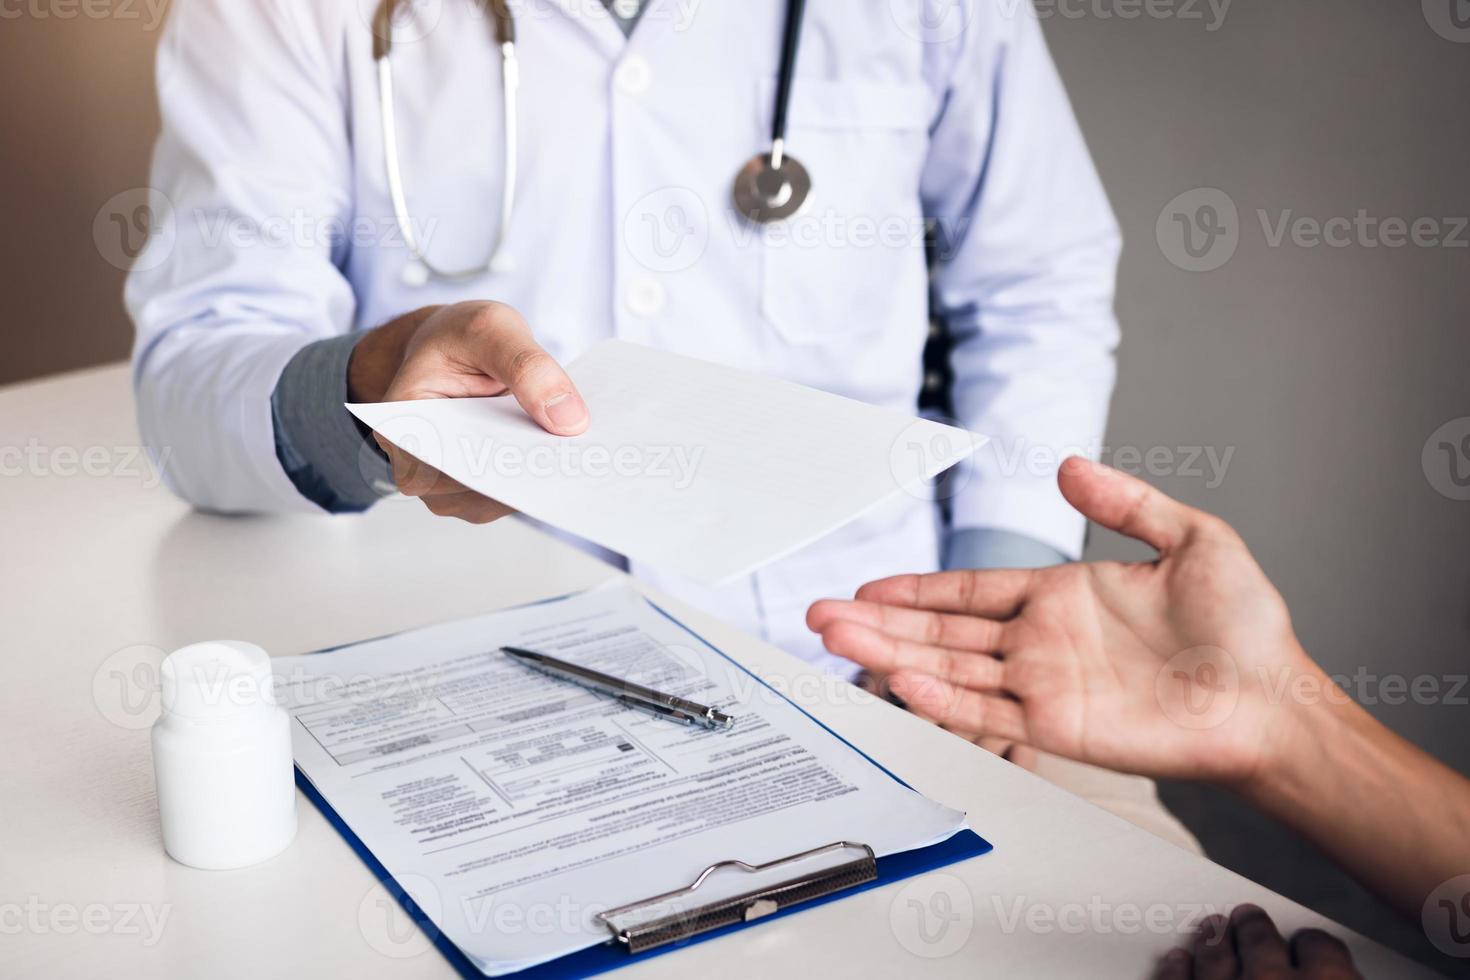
(701, 469)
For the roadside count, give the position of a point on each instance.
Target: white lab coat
(279, 230)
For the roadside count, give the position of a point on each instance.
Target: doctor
(381, 200)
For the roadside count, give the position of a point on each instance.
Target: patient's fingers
(1258, 943)
(920, 625)
(1214, 950)
(886, 654)
(1318, 954)
(1177, 965)
(995, 745)
(995, 593)
(960, 709)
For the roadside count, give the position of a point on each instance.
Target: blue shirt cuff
(327, 453)
(986, 547)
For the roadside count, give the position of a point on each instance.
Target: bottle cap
(217, 680)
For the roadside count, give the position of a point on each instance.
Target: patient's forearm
(1395, 818)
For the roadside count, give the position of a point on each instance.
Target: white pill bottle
(222, 758)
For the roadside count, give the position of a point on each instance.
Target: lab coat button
(634, 75)
(645, 296)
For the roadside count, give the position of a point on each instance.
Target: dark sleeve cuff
(327, 453)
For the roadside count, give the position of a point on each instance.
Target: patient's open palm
(1164, 668)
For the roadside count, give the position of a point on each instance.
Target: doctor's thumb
(541, 386)
(547, 394)
(566, 413)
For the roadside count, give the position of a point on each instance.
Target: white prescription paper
(513, 806)
(700, 469)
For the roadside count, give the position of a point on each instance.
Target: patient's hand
(1177, 667)
(1248, 946)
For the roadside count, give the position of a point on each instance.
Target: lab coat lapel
(660, 19)
(593, 18)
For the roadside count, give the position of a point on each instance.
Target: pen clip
(673, 714)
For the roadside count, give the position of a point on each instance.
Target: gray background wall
(1322, 370)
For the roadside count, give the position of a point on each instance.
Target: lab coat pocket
(851, 262)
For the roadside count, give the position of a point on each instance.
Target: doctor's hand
(468, 350)
(1162, 668)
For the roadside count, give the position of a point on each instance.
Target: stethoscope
(771, 187)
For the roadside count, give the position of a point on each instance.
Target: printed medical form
(513, 806)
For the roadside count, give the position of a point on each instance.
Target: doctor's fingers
(885, 654)
(959, 709)
(467, 506)
(442, 494)
(958, 632)
(415, 478)
(996, 593)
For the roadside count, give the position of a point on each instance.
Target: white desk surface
(98, 565)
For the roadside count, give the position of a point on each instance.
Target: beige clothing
(1134, 798)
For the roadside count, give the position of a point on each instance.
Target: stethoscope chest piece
(771, 187)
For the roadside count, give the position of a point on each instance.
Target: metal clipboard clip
(659, 927)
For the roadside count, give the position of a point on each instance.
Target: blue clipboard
(607, 957)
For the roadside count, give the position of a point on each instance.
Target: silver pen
(634, 695)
